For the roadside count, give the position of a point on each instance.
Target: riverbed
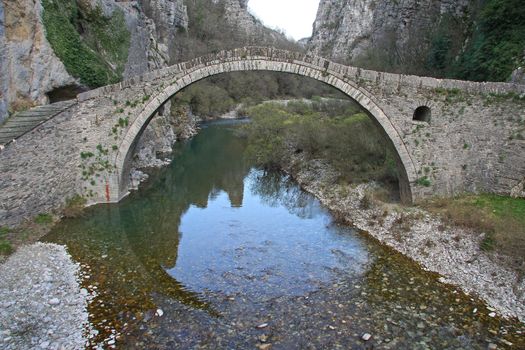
(214, 253)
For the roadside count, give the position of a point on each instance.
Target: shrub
(424, 181)
(5, 247)
(488, 242)
(3, 231)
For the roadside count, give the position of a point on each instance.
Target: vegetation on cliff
(92, 46)
(497, 46)
(493, 47)
(479, 40)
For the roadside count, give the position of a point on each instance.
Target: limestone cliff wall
(29, 68)
(254, 32)
(356, 31)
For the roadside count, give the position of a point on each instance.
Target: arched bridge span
(235, 61)
(450, 136)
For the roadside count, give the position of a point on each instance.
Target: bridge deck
(23, 122)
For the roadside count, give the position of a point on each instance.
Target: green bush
(5, 247)
(424, 181)
(3, 231)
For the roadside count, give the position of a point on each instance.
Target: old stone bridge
(450, 136)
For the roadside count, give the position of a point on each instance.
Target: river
(213, 253)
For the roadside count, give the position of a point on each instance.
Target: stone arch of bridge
(119, 179)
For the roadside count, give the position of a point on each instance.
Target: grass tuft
(43, 219)
(500, 218)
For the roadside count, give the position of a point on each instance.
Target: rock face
(160, 135)
(353, 30)
(29, 68)
(3, 67)
(152, 24)
(518, 76)
(237, 15)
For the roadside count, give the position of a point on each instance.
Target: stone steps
(23, 122)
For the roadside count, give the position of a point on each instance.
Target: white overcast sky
(295, 17)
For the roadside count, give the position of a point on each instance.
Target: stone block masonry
(471, 139)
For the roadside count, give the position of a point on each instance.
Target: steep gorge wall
(251, 30)
(481, 40)
(395, 34)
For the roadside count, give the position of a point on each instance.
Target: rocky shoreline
(452, 252)
(42, 305)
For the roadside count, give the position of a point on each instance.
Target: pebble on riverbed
(54, 301)
(366, 336)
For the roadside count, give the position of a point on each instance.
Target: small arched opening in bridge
(238, 60)
(422, 114)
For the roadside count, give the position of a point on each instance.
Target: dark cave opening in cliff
(65, 93)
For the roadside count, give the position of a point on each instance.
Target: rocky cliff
(465, 39)
(250, 29)
(382, 34)
(29, 68)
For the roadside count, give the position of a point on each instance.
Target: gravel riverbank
(452, 252)
(41, 303)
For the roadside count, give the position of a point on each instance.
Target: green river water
(212, 253)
